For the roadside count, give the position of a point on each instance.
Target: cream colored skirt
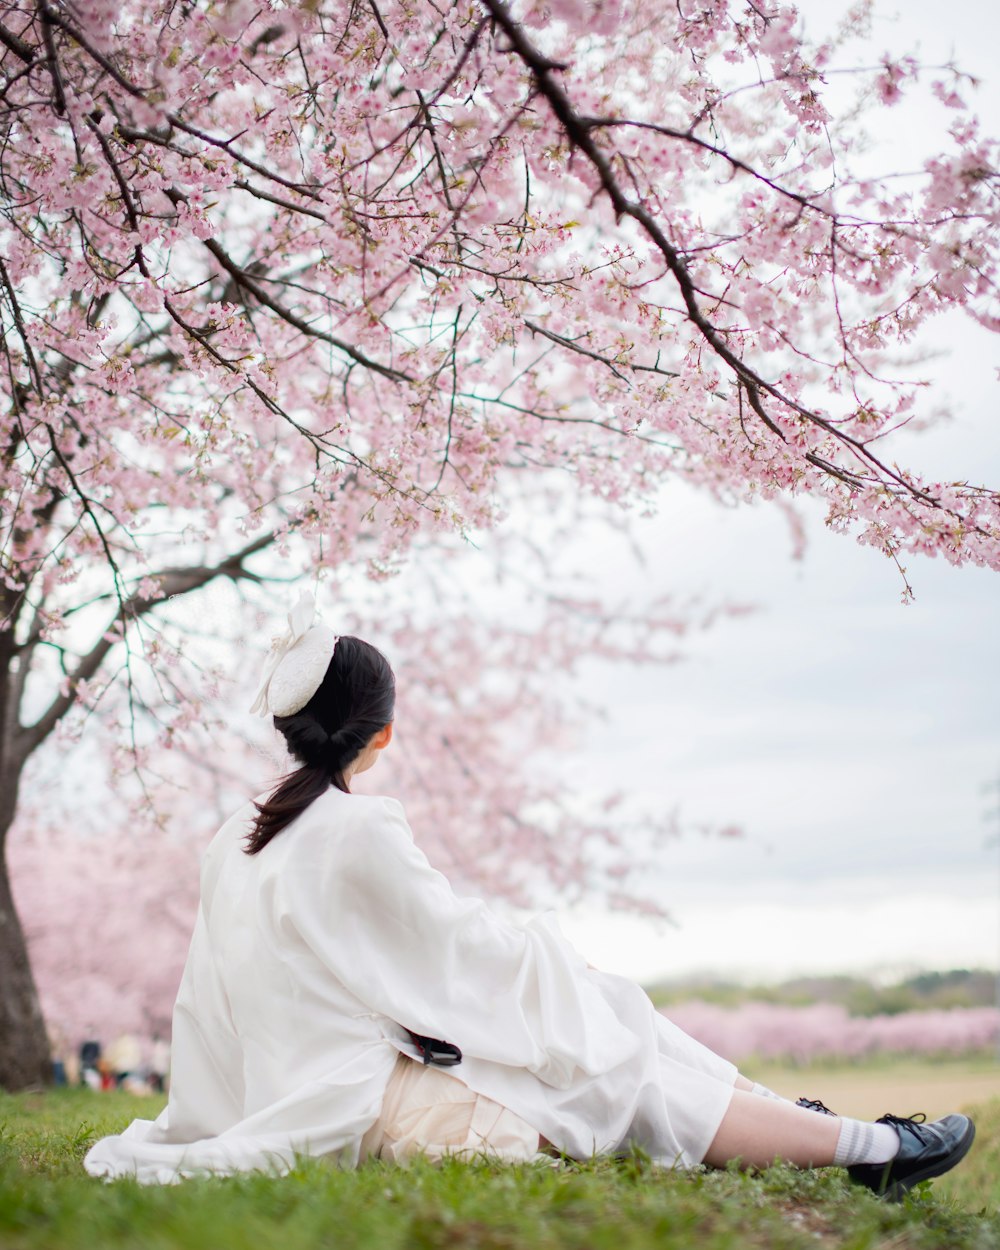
(427, 1111)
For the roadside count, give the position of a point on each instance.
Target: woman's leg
(755, 1087)
(888, 1157)
(757, 1127)
(759, 1131)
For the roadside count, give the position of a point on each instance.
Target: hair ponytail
(354, 701)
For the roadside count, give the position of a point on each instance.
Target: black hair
(355, 700)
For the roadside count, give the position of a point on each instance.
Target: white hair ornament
(296, 664)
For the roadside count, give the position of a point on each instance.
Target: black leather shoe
(925, 1150)
(814, 1104)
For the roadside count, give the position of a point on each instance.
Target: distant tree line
(958, 987)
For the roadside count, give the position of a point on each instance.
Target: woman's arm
(390, 928)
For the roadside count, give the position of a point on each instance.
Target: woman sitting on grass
(328, 954)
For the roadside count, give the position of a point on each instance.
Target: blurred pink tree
(827, 1031)
(321, 282)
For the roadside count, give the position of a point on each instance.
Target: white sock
(862, 1142)
(763, 1092)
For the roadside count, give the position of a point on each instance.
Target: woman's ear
(382, 738)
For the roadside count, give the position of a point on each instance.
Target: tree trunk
(24, 1046)
(25, 1060)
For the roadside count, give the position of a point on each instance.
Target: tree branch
(243, 279)
(17, 45)
(173, 583)
(578, 131)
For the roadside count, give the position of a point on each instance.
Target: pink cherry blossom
(322, 284)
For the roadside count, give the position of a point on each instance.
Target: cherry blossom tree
(319, 281)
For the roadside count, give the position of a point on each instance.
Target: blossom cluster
(325, 265)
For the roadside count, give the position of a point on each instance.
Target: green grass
(975, 1185)
(48, 1203)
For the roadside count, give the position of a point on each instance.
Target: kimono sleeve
(391, 929)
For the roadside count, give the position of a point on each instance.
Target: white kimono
(309, 957)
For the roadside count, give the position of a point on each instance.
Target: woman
(328, 954)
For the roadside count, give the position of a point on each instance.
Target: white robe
(307, 959)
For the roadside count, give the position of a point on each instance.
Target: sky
(850, 737)
(854, 740)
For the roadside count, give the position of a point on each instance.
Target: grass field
(888, 1083)
(48, 1203)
